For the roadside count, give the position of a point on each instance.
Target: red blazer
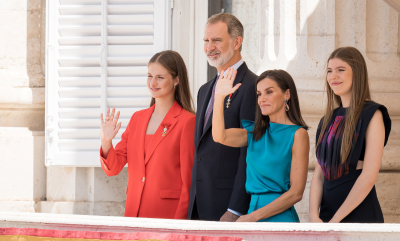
(158, 185)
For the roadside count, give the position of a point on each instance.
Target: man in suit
(219, 172)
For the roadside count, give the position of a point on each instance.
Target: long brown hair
(285, 82)
(174, 64)
(359, 93)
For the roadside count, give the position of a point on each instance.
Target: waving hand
(225, 83)
(109, 126)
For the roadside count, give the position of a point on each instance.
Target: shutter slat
(125, 2)
(88, 113)
(127, 81)
(126, 71)
(129, 40)
(131, 50)
(129, 30)
(127, 61)
(130, 9)
(142, 19)
(80, 10)
(80, 31)
(80, 2)
(78, 20)
(79, 71)
(77, 124)
(79, 81)
(79, 62)
(79, 51)
(129, 102)
(81, 41)
(79, 92)
(128, 92)
(79, 103)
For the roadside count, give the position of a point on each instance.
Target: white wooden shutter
(97, 55)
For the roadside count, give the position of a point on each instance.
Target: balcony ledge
(248, 231)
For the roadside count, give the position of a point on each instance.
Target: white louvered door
(97, 56)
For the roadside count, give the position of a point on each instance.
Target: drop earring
(287, 106)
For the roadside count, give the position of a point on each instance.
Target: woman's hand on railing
(251, 217)
(315, 219)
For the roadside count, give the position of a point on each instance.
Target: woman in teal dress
(278, 145)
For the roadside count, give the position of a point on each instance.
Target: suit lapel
(170, 121)
(239, 78)
(141, 128)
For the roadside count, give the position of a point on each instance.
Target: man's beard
(223, 58)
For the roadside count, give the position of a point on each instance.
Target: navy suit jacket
(219, 172)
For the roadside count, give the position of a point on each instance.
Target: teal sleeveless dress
(268, 167)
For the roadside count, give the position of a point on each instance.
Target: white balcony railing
(247, 231)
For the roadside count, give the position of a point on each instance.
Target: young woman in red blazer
(157, 145)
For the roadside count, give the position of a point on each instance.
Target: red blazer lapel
(141, 128)
(168, 122)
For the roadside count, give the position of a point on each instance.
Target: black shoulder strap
(366, 115)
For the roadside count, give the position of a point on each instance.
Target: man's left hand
(228, 217)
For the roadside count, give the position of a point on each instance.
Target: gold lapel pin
(166, 125)
(165, 131)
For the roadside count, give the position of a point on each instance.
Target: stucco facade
(293, 35)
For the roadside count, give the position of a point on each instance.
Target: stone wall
(298, 36)
(23, 174)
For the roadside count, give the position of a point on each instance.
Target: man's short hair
(235, 27)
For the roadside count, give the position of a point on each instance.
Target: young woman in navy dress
(349, 145)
